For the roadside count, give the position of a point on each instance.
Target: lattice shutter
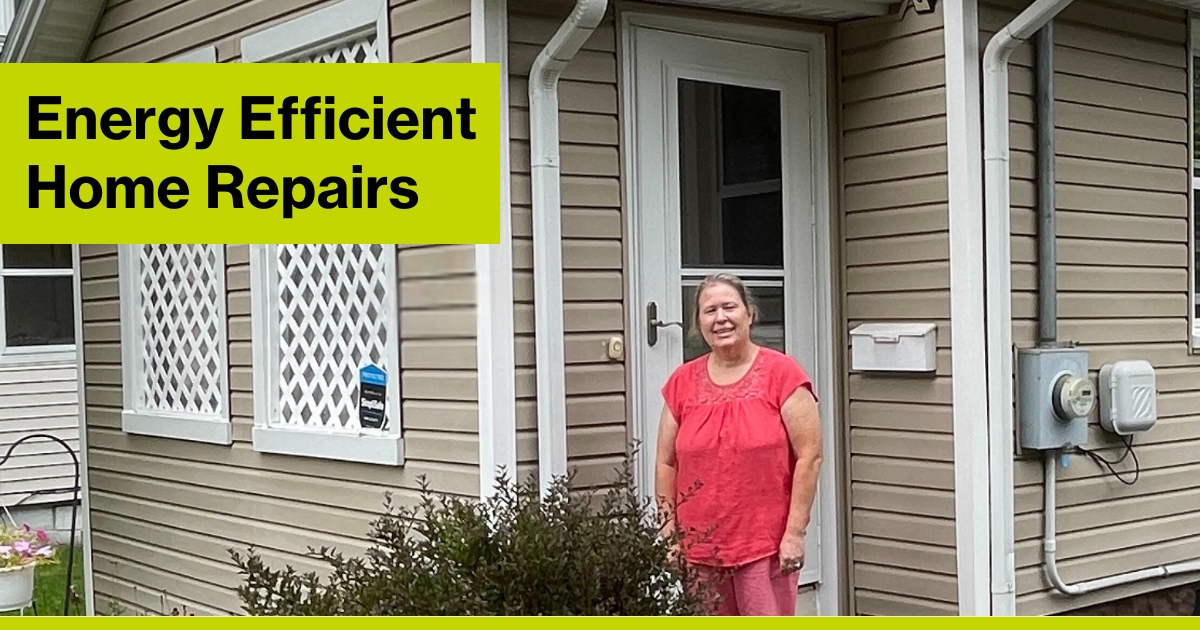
(334, 314)
(181, 316)
(360, 50)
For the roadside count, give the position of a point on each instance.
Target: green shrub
(572, 553)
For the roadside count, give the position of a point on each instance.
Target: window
(174, 359)
(37, 302)
(325, 318)
(325, 334)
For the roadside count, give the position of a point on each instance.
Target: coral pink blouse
(732, 443)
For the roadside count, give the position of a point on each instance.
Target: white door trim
(814, 44)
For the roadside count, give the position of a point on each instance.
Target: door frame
(829, 589)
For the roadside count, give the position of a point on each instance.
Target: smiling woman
(740, 438)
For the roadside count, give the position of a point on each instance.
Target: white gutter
(547, 233)
(999, 293)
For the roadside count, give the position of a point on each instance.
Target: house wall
(38, 399)
(892, 107)
(164, 513)
(1121, 98)
(892, 256)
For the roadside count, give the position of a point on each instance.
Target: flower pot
(16, 588)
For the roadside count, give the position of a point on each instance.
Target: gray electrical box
(1054, 397)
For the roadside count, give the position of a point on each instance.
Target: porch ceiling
(811, 9)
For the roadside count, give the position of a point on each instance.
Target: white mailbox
(894, 347)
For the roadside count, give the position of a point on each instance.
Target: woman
(740, 437)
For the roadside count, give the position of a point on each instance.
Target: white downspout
(999, 294)
(547, 233)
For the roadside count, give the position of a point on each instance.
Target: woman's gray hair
(730, 280)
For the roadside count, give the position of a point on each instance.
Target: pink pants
(759, 589)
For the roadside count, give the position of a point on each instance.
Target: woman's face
(724, 320)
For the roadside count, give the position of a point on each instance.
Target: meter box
(1128, 397)
(894, 347)
(1054, 397)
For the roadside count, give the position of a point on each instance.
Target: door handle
(654, 323)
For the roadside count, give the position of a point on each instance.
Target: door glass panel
(730, 172)
(767, 332)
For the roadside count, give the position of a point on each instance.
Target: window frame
(320, 29)
(367, 447)
(1193, 223)
(136, 420)
(54, 353)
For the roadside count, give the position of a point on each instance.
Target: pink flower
(21, 546)
(41, 536)
(46, 551)
(5, 550)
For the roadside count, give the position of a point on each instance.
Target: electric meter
(1074, 397)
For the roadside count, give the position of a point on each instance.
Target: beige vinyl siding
(1121, 95)
(892, 105)
(164, 512)
(592, 254)
(38, 399)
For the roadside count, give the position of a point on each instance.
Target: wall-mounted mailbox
(894, 347)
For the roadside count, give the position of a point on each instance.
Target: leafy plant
(516, 553)
(22, 546)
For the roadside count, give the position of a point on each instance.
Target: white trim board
(212, 428)
(85, 507)
(829, 592)
(383, 447)
(968, 352)
(494, 317)
(342, 21)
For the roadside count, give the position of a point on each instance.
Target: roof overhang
(825, 10)
(60, 31)
(52, 31)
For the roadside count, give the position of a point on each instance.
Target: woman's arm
(664, 469)
(803, 424)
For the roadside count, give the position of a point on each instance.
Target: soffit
(811, 9)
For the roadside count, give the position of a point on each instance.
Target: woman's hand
(791, 553)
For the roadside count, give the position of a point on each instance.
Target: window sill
(366, 449)
(177, 428)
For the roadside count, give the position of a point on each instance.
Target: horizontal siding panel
(904, 527)
(896, 222)
(885, 604)
(894, 165)
(893, 250)
(908, 192)
(919, 48)
(912, 583)
(917, 134)
(915, 501)
(902, 444)
(894, 109)
(890, 553)
(911, 473)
